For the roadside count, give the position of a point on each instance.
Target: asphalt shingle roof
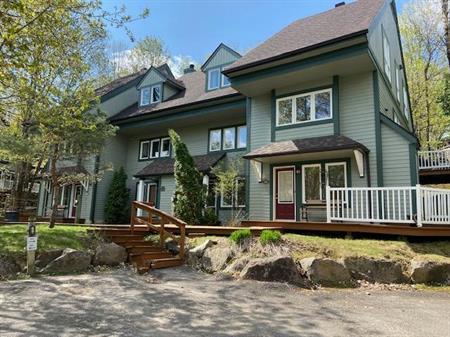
(165, 166)
(311, 31)
(306, 145)
(195, 92)
(119, 82)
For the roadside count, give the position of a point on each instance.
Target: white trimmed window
(145, 96)
(307, 107)
(213, 78)
(397, 81)
(225, 81)
(387, 57)
(237, 198)
(230, 138)
(405, 103)
(144, 148)
(165, 147)
(156, 93)
(154, 148)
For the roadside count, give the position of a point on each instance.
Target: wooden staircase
(142, 254)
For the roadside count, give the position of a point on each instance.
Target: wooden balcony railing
(434, 160)
(155, 219)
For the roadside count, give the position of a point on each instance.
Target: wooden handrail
(165, 218)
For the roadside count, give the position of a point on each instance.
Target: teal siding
(168, 91)
(260, 134)
(167, 189)
(305, 131)
(117, 103)
(357, 115)
(396, 162)
(223, 56)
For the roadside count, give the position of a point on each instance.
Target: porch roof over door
(306, 145)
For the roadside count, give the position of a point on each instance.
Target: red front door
(284, 193)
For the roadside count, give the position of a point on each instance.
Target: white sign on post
(32, 243)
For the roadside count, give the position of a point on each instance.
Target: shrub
(210, 218)
(240, 235)
(269, 236)
(117, 199)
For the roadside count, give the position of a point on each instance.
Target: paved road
(181, 302)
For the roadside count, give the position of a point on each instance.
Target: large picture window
(229, 138)
(307, 107)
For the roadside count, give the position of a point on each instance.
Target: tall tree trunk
(56, 192)
(445, 13)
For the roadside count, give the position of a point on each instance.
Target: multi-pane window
(216, 79)
(306, 107)
(234, 197)
(154, 148)
(230, 138)
(386, 57)
(151, 94)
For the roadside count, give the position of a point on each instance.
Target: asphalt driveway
(182, 302)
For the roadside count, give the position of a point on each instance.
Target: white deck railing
(439, 159)
(415, 204)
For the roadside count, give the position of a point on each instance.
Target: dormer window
(213, 79)
(151, 94)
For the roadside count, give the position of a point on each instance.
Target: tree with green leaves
(190, 194)
(424, 49)
(117, 199)
(48, 57)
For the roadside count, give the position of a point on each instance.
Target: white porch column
(206, 180)
(140, 195)
(359, 157)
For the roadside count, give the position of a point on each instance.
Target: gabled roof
(306, 145)
(165, 72)
(224, 46)
(308, 33)
(120, 82)
(165, 166)
(195, 92)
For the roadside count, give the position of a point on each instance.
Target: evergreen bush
(240, 235)
(117, 199)
(269, 236)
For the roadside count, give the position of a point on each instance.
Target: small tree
(116, 207)
(228, 185)
(190, 194)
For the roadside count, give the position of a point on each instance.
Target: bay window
(307, 107)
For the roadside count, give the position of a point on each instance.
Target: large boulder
(375, 270)
(430, 272)
(273, 269)
(71, 261)
(8, 267)
(45, 257)
(216, 258)
(195, 255)
(326, 272)
(237, 265)
(109, 254)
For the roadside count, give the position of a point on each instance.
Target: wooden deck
(257, 226)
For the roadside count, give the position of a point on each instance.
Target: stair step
(123, 237)
(136, 243)
(146, 258)
(143, 249)
(167, 262)
(196, 235)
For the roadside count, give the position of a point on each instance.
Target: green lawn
(13, 238)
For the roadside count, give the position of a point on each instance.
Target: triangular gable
(152, 76)
(222, 55)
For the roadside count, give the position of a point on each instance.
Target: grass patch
(269, 236)
(306, 246)
(424, 287)
(13, 238)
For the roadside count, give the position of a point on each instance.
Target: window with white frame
(306, 107)
(213, 78)
(145, 96)
(165, 147)
(229, 138)
(156, 93)
(397, 81)
(387, 57)
(144, 149)
(405, 103)
(235, 197)
(154, 148)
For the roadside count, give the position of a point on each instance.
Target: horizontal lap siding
(357, 116)
(305, 132)
(259, 198)
(151, 78)
(222, 57)
(167, 188)
(395, 158)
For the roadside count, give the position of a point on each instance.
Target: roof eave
(231, 70)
